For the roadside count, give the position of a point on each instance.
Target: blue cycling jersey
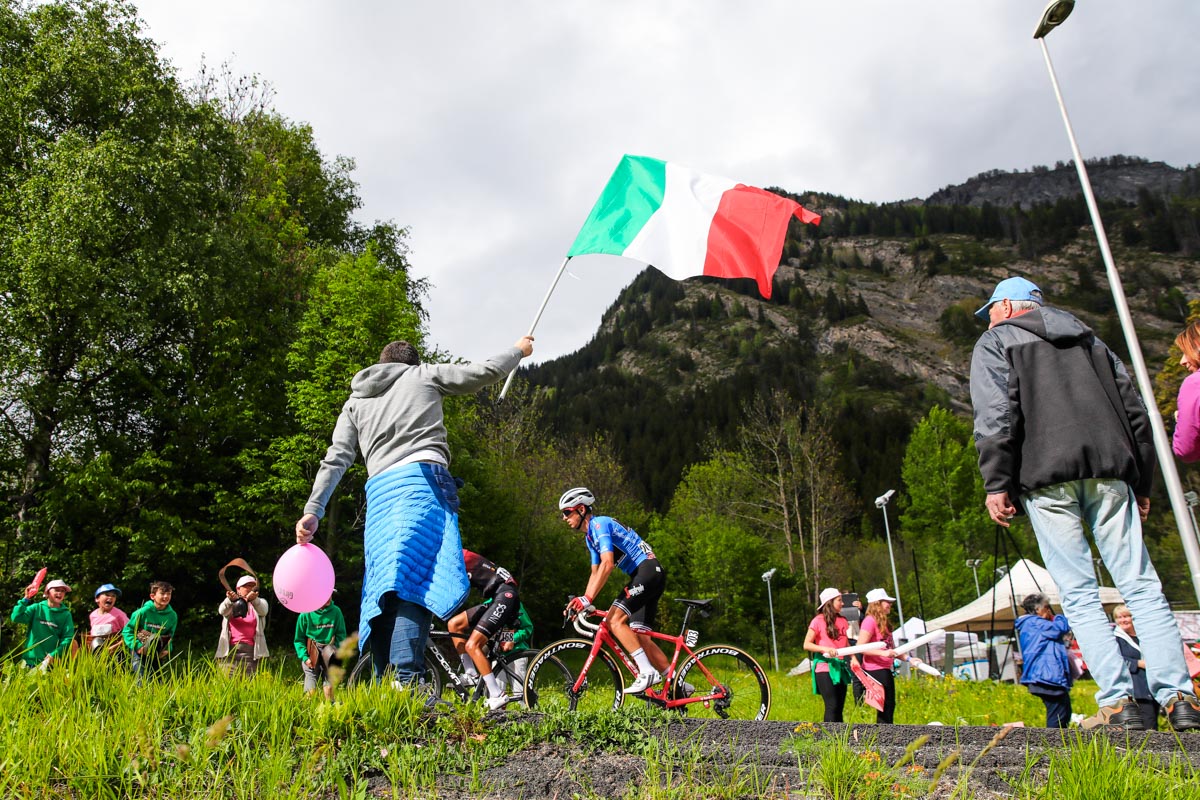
(606, 535)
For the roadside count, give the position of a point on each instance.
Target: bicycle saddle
(704, 607)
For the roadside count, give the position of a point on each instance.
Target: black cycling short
(640, 598)
(490, 618)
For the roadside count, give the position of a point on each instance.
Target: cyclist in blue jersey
(631, 618)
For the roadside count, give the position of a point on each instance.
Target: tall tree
(115, 194)
(943, 518)
(180, 279)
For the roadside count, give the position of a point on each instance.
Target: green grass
(86, 730)
(922, 700)
(1098, 769)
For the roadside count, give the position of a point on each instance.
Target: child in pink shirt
(243, 642)
(106, 620)
(878, 663)
(830, 674)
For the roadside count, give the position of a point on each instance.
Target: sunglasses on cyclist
(568, 512)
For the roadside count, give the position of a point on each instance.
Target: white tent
(1002, 602)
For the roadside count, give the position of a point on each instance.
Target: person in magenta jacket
(1186, 442)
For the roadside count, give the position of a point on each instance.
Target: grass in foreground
(86, 730)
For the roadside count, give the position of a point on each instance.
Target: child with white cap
(243, 622)
(49, 621)
(876, 627)
(830, 674)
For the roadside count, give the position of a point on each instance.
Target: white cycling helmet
(573, 497)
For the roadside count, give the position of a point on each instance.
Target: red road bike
(716, 680)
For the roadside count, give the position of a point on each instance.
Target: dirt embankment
(758, 757)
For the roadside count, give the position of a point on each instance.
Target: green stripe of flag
(634, 192)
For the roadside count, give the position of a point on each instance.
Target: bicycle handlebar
(585, 626)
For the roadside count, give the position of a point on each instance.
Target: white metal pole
(537, 318)
(891, 557)
(1166, 457)
(771, 609)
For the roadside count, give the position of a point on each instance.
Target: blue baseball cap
(1012, 289)
(108, 587)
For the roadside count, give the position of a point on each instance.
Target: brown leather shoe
(1121, 716)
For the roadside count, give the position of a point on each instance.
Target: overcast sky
(489, 128)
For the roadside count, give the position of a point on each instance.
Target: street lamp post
(1054, 15)
(766, 576)
(1192, 501)
(974, 563)
(881, 503)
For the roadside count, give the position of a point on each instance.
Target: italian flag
(686, 223)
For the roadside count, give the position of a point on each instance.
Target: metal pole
(774, 644)
(537, 318)
(771, 608)
(1166, 457)
(1193, 500)
(891, 557)
(974, 563)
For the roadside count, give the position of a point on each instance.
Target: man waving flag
(687, 223)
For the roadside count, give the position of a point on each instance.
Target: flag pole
(537, 318)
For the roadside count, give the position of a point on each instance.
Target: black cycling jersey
(485, 575)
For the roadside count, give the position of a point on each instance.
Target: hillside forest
(185, 294)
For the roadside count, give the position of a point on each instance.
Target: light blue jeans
(398, 639)
(1108, 508)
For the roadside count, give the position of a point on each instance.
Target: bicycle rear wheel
(549, 683)
(727, 682)
(510, 669)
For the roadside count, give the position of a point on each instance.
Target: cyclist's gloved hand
(580, 603)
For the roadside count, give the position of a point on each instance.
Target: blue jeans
(1058, 514)
(1058, 709)
(398, 639)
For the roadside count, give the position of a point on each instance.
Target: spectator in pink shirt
(878, 663)
(1187, 417)
(106, 620)
(830, 673)
(243, 641)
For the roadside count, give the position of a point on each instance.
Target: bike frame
(602, 636)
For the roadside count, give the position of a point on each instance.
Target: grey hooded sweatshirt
(395, 411)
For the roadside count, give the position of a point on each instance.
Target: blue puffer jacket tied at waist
(412, 543)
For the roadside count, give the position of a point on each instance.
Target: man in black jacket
(1060, 428)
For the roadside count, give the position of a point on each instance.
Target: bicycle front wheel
(550, 681)
(725, 682)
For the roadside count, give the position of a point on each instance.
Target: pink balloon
(303, 578)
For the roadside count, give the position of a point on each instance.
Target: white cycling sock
(493, 685)
(643, 660)
(468, 664)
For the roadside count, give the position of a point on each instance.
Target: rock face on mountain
(1117, 178)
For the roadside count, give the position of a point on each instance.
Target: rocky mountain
(872, 314)
(1118, 178)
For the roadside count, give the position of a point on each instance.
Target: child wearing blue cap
(106, 620)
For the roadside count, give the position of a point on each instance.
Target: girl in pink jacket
(1186, 442)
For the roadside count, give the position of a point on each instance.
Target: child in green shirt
(318, 635)
(50, 624)
(150, 630)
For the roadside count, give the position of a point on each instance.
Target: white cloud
(489, 128)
